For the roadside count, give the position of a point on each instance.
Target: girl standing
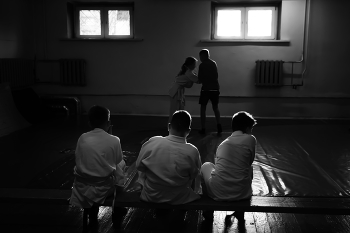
(185, 79)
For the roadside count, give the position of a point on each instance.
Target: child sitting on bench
(99, 164)
(168, 165)
(230, 179)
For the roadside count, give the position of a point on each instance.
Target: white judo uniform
(231, 177)
(99, 166)
(167, 166)
(177, 90)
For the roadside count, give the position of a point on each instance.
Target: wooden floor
(63, 218)
(50, 217)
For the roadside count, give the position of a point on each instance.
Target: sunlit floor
(308, 158)
(62, 218)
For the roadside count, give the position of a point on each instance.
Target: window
(245, 22)
(101, 21)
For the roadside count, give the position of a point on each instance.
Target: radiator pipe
(304, 53)
(306, 38)
(45, 28)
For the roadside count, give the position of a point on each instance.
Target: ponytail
(189, 61)
(183, 70)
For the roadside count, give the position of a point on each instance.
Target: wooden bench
(302, 205)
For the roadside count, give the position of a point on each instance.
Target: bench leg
(85, 216)
(239, 215)
(118, 214)
(208, 215)
(91, 214)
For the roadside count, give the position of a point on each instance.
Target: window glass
(259, 23)
(90, 22)
(229, 23)
(119, 22)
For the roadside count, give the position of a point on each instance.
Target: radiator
(268, 73)
(73, 72)
(17, 72)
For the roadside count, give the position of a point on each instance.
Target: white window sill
(247, 41)
(99, 39)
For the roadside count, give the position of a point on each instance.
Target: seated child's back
(230, 178)
(168, 165)
(233, 170)
(99, 162)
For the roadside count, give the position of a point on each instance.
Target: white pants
(206, 170)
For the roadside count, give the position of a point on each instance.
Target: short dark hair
(241, 120)
(181, 120)
(204, 52)
(98, 116)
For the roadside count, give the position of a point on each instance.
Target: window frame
(244, 22)
(104, 8)
(131, 12)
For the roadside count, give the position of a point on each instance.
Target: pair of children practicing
(207, 76)
(168, 166)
